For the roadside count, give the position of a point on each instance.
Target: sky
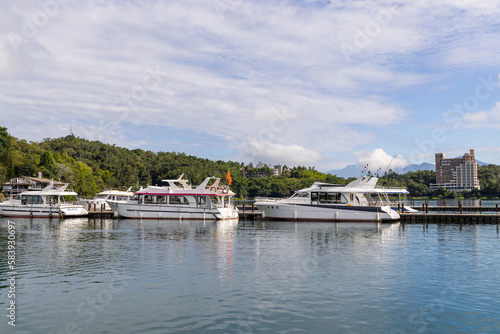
(299, 82)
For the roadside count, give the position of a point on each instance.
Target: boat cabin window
(203, 201)
(300, 195)
(31, 199)
(137, 198)
(330, 198)
(161, 199)
(149, 199)
(178, 200)
(314, 198)
(52, 199)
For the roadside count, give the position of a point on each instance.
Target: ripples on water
(132, 276)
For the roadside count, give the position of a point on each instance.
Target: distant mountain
(354, 171)
(415, 168)
(347, 171)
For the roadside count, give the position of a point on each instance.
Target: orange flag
(228, 177)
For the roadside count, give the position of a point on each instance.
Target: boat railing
(386, 203)
(267, 199)
(385, 188)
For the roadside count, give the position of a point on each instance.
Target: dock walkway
(450, 217)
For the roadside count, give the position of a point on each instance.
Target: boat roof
(364, 184)
(116, 192)
(50, 190)
(181, 186)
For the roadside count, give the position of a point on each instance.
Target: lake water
(132, 276)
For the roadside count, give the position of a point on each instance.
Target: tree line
(91, 166)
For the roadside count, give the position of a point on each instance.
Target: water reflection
(224, 236)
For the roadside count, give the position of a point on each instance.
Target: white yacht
(360, 200)
(99, 202)
(179, 200)
(48, 202)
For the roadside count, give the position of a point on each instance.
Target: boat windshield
(121, 198)
(300, 194)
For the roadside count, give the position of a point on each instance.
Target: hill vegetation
(91, 166)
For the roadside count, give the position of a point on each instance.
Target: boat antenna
(389, 164)
(364, 170)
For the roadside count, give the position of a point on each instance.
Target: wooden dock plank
(450, 217)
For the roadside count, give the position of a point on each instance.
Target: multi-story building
(457, 174)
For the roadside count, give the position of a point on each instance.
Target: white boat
(99, 202)
(360, 200)
(48, 202)
(179, 200)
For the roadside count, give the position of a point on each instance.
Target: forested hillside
(91, 166)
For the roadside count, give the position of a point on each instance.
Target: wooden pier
(451, 218)
(248, 211)
(101, 214)
(457, 209)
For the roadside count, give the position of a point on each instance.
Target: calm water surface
(132, 276)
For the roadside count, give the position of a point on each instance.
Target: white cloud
(280, 154)
(483, 119)
(240, 71)
(378, 159)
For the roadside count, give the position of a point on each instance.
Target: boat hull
(326, 213)
(141, 211)
(42, 211)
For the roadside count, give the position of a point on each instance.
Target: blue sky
(315, 83)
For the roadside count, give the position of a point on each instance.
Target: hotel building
(457, 174)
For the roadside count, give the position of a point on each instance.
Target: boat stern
(227, 213)
(73, 211)
(389, 213)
